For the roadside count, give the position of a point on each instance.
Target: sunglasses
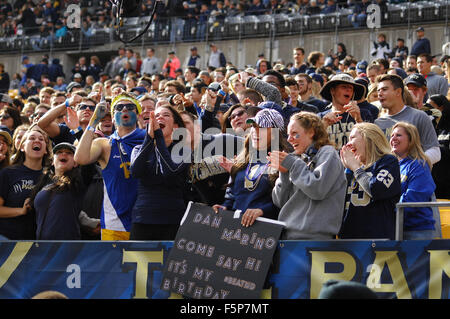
(5, 117)
(38, 114)
(85, 106)
(129, 107)
(237, 114)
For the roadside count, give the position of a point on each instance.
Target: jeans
(176, 33)
(418, 235)
(201, 31)
(357, 20)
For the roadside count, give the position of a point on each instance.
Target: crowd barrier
(133, 270)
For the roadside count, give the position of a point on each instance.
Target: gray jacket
(436, 84)
(311, 199)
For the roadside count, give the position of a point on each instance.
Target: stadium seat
(430, 10)
(343, 19)
(299, 23)
(282, 24)
(329, 21)
(233, 27)
(316, 22)
(444, 11)
(250, 25)
(216, 31)
(264, 24)
(410, 10)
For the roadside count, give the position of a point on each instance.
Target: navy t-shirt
(57, 215)
(339, 132)
(16, 184)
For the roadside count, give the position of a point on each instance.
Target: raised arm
(47, 122)
(91, 149)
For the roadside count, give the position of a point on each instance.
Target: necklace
(253, 175)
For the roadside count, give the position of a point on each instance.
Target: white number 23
(385, 177)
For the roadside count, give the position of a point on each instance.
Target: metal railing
(401, 214)
(175, 29)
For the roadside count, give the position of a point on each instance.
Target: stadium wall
(242, 52)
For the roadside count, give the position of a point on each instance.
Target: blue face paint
(131, 121)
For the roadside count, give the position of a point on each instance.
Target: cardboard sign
(214, 256)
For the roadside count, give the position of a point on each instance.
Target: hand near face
(275, 159)
(152, 125)
(71, 119)
(353, 109)
(349, 159)
(99, 113)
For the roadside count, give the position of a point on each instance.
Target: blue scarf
(126, 143)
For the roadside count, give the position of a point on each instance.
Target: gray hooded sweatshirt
(311, 197)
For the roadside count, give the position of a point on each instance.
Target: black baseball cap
(416, 79)
(65, 146)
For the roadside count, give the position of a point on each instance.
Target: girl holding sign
(252, 178)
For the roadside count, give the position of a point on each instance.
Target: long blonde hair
(415, 150)
(376, 142)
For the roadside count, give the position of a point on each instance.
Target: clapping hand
(152, 125)
(71, 119)
(275, 159)
(225, 163)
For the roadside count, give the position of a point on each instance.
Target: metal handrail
(401, 212)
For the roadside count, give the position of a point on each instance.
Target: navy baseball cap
(416, 79)
(361, 67)
(65, 146)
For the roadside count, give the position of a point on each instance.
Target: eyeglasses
(237, 114)
(129, 107)
(5, 117)
(86, 106)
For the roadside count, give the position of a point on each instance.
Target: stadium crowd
(326, 143)
(48, 19)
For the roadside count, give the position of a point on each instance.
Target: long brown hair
(226, 123)
(19, 156)
(243, 159)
